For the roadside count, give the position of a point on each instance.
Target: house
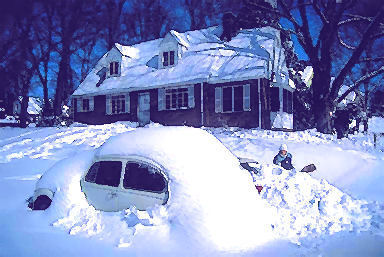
(34, 108)
(193, 79)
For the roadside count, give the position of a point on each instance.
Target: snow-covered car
(180, 178)
(123, 175)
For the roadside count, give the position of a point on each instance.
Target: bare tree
(303, 16)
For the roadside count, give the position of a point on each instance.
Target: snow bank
(308, 208)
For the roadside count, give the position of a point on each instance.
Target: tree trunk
(365, 119)
(322, 105)
(62, 80)
(24, 103)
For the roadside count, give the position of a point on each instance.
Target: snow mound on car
(211, 198)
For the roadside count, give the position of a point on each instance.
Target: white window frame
(110, 100)
(162, 98)
(169, 58)
(246, 98)
(114, 72)
(80, 106)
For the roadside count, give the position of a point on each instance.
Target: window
(140, 176)
(84, 104)
(114, 68)
(227, 99)
(118, 104)
(168, 58)
(275, 99)
(287, 101)
(105, 173)
(176, 98)
(232, 99)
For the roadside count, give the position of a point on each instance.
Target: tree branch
(357, 53)
(319, 12)
(363, 79)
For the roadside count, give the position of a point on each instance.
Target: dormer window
(114, 68)
(168, 58)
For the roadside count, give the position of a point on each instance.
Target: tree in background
(318, 26)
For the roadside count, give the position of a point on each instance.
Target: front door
(144, 109)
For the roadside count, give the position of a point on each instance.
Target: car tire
(42, 202)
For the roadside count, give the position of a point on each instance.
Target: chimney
(230, 28)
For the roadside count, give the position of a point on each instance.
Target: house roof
(34, 105)
(205, 58)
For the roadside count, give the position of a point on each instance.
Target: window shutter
(161, 99)
(191, 96)
(111, 68)
(79, 104)
(108, 106)
(91, 104)
(246, 97)
(127, 103)
(218, 99)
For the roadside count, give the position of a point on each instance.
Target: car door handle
(112, 195)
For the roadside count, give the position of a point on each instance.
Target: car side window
(105, 173)
(141, 176)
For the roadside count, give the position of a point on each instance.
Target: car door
(101, 183)
(143, 186)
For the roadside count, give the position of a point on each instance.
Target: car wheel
(42, 202)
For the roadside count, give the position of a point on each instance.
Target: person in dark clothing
(283, 158)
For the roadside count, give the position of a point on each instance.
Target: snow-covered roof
(205, 59)
(376, 124)
(34, 106)
(350, 98)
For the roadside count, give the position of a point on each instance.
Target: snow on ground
(336, 211)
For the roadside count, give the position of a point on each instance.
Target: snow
(8, 119)
(34, 106)
(350, 98)
(214, 209)
(282, 120)
(376, 124)
(206, 59)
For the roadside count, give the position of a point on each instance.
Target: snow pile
(309, 208)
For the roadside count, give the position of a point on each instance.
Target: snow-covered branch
(372, 59)
(363, 79)
(319, 12)
(343, 43)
